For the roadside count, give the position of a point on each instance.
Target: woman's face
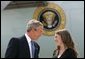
(58, 39)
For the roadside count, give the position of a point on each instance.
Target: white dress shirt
(29, 43)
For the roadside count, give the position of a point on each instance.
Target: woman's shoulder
(70, 53)
(70, 50)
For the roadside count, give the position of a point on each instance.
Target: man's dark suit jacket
(19, 48)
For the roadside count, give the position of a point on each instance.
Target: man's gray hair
(33, 24)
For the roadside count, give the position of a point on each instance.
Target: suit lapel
(26, 46)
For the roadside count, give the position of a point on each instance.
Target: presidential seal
(51, 16)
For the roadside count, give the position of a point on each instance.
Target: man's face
(38, 32)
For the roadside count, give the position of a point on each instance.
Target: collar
(28, 38)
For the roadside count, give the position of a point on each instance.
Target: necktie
(33, 48)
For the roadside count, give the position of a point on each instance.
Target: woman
(65, 45)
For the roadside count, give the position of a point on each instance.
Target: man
(22, 47)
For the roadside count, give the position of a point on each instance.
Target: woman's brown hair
(66, 39)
